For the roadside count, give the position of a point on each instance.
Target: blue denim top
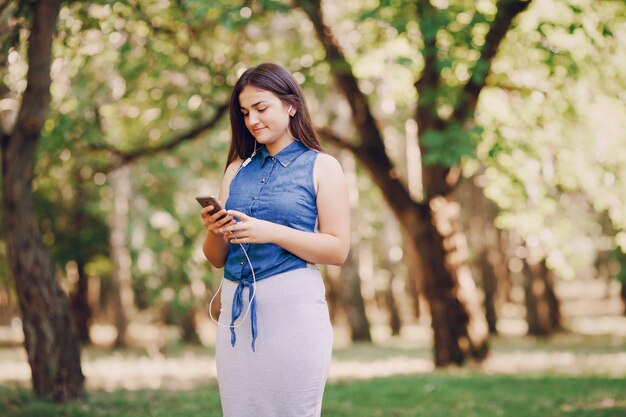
(280, 189)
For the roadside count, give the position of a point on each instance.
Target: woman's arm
(331, 244)
(215, 245)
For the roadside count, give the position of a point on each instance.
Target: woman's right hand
(215, 221)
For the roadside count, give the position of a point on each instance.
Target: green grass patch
(439, 394)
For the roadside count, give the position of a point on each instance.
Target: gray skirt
(286, 374)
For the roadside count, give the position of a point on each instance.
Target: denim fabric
(278, 189)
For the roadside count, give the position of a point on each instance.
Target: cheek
(276, 120)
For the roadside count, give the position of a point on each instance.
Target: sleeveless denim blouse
(280, 189)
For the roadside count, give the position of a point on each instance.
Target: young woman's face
(265, 116)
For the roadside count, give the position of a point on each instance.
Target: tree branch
(507, 11)
(121, 158)
(427, 85)
(371, 152)
(4, 5)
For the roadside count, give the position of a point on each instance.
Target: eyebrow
(254, 105)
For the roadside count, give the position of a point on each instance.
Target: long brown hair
(277, 80)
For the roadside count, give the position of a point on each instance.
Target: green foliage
(135, 75)
(447, 147)
(553, 137)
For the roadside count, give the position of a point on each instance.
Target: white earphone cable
(219, 289)
(233, 326)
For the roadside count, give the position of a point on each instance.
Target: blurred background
(484, 143)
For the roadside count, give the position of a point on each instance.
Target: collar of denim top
(286, 155)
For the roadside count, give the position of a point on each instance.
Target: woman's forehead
(251, 95)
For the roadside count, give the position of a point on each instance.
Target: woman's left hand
(248, 229)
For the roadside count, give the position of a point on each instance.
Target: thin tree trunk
(52, 348)
(623, 295)
(6, 306)
(391, 240)
(81, 311)
(490, 288)
(188, 325)
(551, 297)
(123, 295)
(483, 237)
(502, 266)
(395, 324)
(542, 305)
(350, 279)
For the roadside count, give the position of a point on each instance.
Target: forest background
(483, 142)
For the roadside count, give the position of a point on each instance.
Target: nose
(253, 118)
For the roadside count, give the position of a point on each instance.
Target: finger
(205, 210)
(238, 234)
(219, 215)
(239, 215)
(233, 225)
(224, 221)
(240, 240)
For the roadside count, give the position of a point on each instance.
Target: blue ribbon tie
(238, 307)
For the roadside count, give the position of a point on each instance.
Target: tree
(445, 117)
(553, 147)
(51, 345)
(103, 123)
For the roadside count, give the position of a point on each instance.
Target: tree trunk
(490, 288)
(542, 305)
(623, 295)
(458, 324)
(390, 242)
(502, 271)
(395, 323)
(484, 240)
(188, 325)
(7, 310)
(51, 345)
(455, 334)
(81, 311)
(414, 279)
(553, 301)
(350, 279)
(123, 295)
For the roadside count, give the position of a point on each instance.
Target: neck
(276, 147)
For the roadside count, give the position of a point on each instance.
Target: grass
(566, 375)
(436, 394)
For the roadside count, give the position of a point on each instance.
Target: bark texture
(51, 345)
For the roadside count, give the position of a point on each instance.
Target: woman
(287, 210)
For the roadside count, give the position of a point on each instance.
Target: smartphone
(209, 201)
